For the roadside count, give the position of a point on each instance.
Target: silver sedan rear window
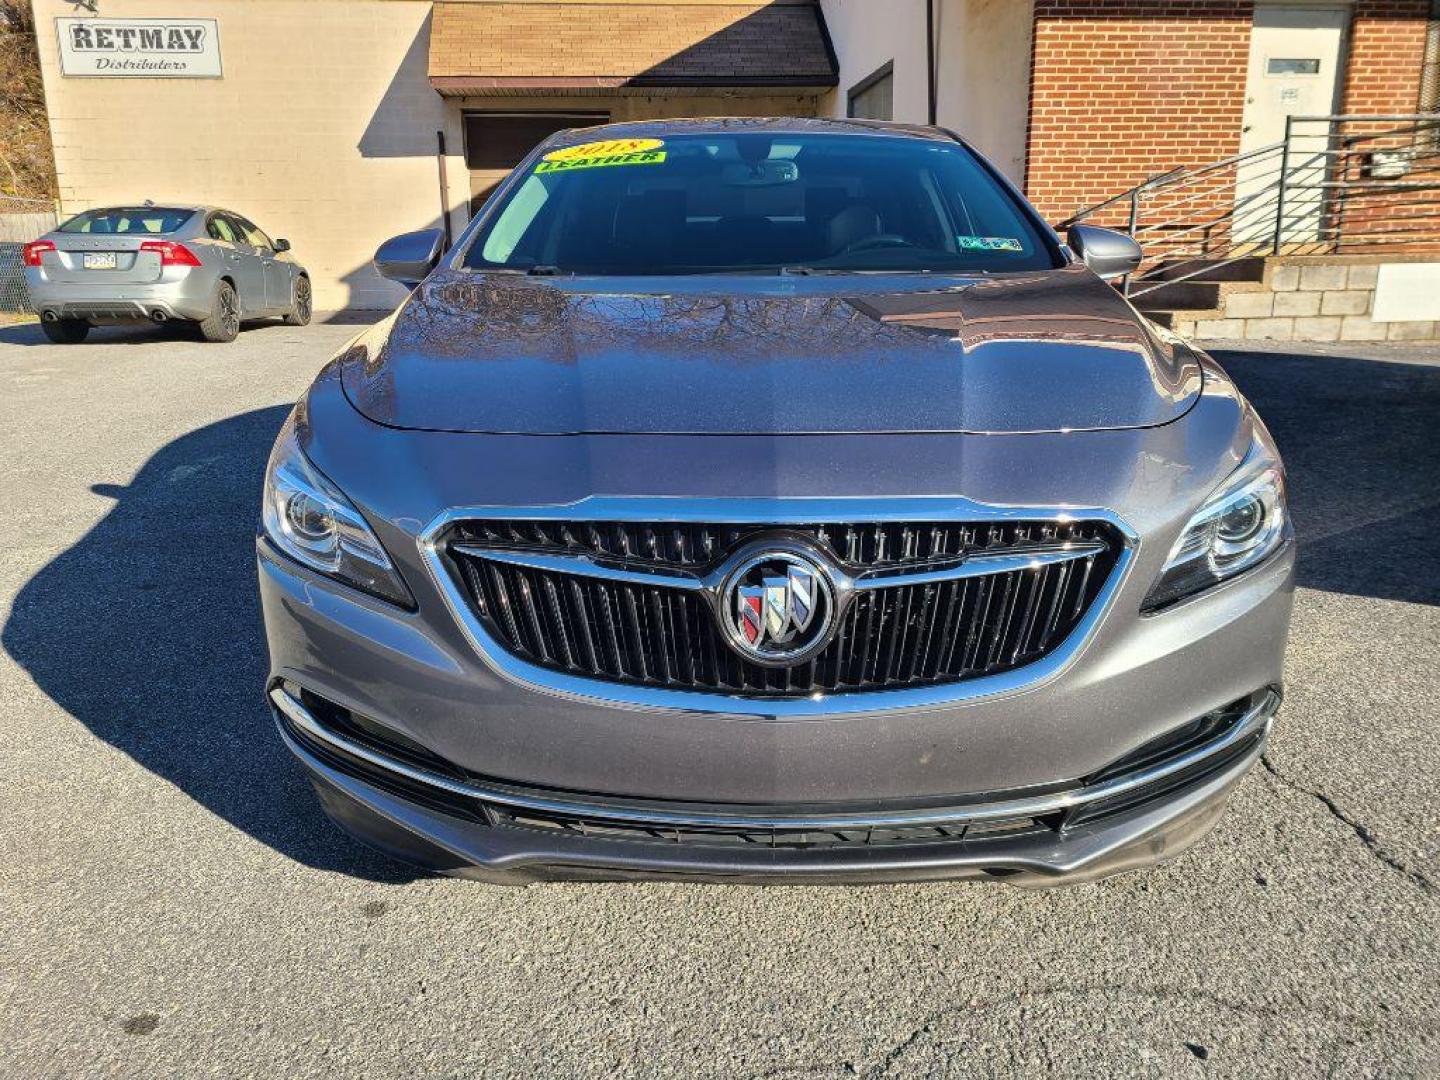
(151, 220)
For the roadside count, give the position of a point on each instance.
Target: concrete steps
(1277, 298)
(1187, 295)
(1202, 294)
(1251, 268)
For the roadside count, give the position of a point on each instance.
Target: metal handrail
(1165, 179)
(1314, 191)
(1208, 193)
(1197, 196)
(1346, 118)
(1223, 163)
(1124, 196)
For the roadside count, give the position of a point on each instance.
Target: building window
(1294, 66)
(873, 97)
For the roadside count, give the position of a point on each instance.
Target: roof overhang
(586, 47)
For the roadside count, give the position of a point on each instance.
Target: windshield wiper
(546, 270)
(837, 271)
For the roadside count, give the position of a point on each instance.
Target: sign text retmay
(173, 48)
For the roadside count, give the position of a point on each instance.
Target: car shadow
(1362, 454)
(148, 632)
(30, 334)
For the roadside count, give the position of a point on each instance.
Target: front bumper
(1133, 680)
(504, 833)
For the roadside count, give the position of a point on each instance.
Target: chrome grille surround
(768, 516)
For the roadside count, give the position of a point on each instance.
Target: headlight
(1240, 525)
(309, 519)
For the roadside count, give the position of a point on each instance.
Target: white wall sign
(139, 48)
(1407, 292)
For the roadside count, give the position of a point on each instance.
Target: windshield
(759, 202)
(152, 220)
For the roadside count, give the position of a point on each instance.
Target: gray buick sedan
(772, 500)
(126, 264)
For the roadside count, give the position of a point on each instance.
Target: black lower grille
(1204, 731)
(617, 819)
(867, 836)
(896, 636)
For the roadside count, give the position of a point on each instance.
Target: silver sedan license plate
(100, 260)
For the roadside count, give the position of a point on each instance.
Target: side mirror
(282, 245)
(1109, 253)
(409, 257)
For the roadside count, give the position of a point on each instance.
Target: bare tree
(27, 162)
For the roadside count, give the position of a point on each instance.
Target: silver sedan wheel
(223, 323)
(304, 303)
(230, 311)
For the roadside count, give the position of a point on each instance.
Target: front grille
(695, 546)
(896, 636)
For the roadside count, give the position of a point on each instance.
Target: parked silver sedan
(202, 264)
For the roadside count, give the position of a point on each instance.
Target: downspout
(930, 57)
(444, 187)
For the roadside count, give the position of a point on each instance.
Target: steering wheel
(879, 240)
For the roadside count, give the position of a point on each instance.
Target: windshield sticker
(610, 152)
(989, 243)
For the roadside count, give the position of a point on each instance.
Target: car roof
(153, 205)
(775, 125)
(157, 204)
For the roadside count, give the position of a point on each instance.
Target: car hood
(1047, 351)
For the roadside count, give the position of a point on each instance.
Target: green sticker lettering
(989, 243)
(641, 157)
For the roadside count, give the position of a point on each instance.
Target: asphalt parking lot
(174, 903)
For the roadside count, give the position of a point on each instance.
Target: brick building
(1097, 95)
(1122, 89)
(324, 119)
(1272, 224)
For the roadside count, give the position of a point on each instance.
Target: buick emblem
(777, 607)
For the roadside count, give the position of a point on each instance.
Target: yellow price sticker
(598, 154)
(607, 148)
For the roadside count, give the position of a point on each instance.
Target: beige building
(982, 68)
(322, 119)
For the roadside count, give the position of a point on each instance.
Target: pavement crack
(901, 1048)
(931, 1027)
(1359, 828)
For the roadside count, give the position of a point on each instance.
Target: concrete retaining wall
(1327, 299)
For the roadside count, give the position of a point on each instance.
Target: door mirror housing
(409, 257)
(282, 245)
(1109, 253)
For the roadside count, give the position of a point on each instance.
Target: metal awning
(499, 47)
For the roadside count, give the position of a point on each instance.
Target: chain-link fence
(21, 220)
